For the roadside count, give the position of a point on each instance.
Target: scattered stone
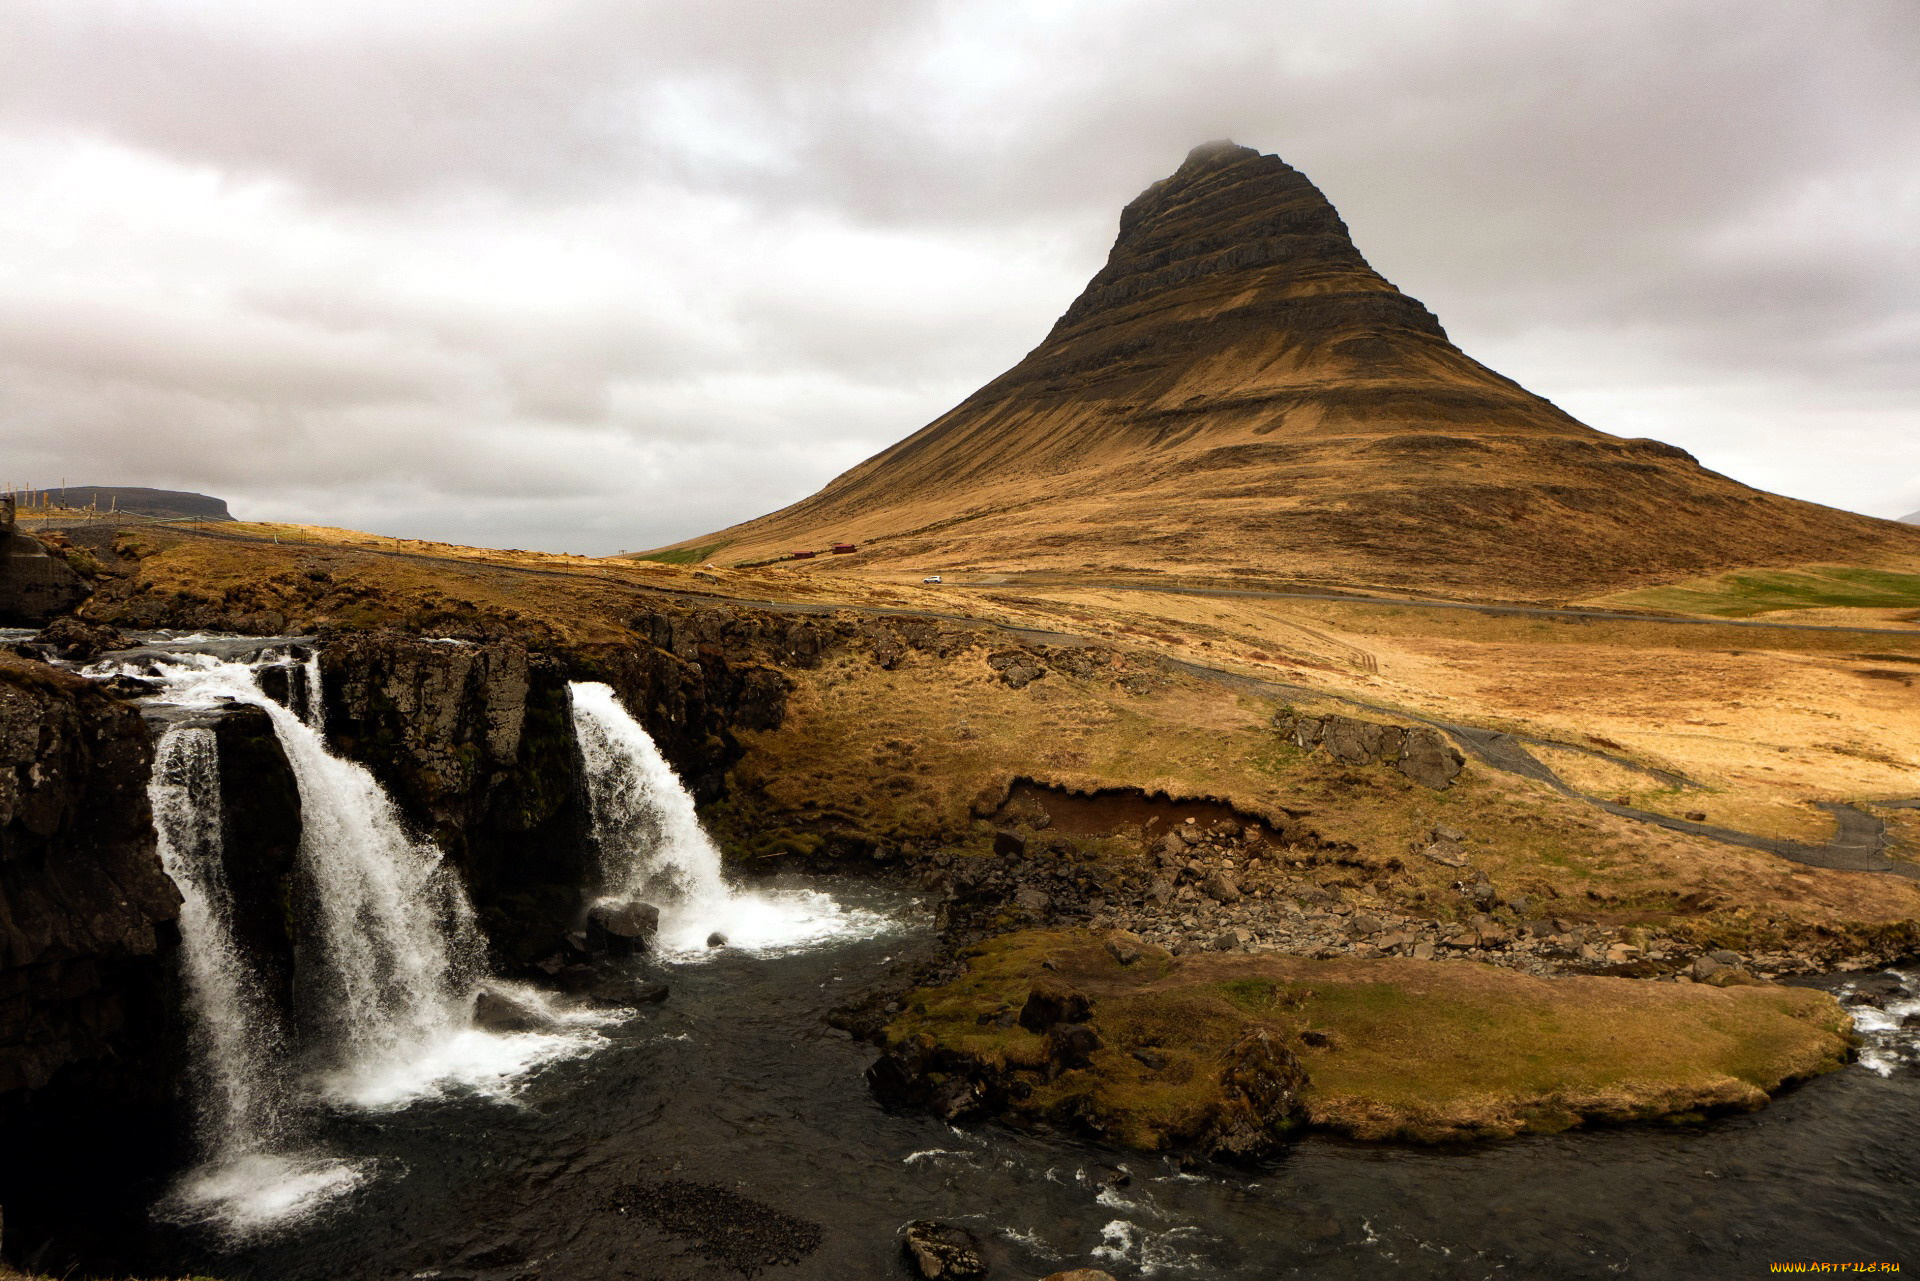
(1080, 1274)
(942, 1252)
(1009, 844)
(1152, 1058)
(1032, 901)
(735, 1231)
(1124, 947)
(1221, 888)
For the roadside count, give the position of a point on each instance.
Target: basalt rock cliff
(1238, 394)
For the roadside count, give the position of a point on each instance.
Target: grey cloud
(593, 274)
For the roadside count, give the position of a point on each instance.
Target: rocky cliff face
(475, 743)
(87, 928)
(1237, 392)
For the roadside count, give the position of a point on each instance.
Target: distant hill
(163, 503)
(1237, 395)
(1912, 518)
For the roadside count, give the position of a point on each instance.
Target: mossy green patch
(683, 555)
(1744, 593)
(1393, 1048)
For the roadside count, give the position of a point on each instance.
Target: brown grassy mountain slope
(1238, 393)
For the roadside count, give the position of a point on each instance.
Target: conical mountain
(1238, 396)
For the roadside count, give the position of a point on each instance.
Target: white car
(931, 578)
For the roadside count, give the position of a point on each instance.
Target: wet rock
(716, 939)
(1263, 1082)
(621, 929)
(128, 686)
(495, 1010)
(576, 978)
(79, 641)
(955, 1098)
(1080, 1274)
(941, 1252)
(1050, 1002)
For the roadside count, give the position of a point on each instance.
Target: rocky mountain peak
(1238, 395)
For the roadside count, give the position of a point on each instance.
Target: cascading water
(394, 962)
(654, 850)
(238, 1062)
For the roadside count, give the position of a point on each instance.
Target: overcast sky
(591, 275)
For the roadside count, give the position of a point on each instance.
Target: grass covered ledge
(1227, 1054)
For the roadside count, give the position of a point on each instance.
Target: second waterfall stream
(654, 850)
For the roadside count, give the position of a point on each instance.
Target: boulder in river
(499, 1010)
(622, 929)
(78, 640)
(716, 939)
(942, 1252)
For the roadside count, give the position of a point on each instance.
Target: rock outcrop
(87, 926)
(1238, 394)
(474, 741)
(1422, 754)
(35, 584)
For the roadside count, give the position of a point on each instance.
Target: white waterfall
(314, 705)
(653, 848)
(237, 1045)
(237, 1040)
(391, 952)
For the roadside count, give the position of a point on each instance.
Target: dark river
(748, 1118)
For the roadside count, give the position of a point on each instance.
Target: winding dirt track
(1858, 843)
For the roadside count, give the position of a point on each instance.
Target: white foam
(1888, 1044)
(254, 1195)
